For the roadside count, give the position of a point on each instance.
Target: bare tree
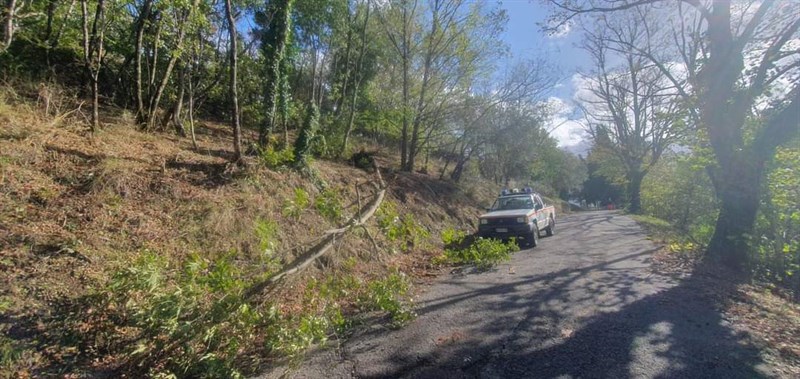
(631, 103)
(358, 76)
(237, 129)
(94, 53)
(742, 63)
(184, 18)
(140, 25)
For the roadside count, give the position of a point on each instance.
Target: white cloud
(560, 31)
(562, 126)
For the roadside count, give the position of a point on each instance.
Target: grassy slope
(74, 207)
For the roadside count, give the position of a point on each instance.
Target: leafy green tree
(274, 43)
(737, 62)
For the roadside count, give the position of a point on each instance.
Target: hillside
(77, 209)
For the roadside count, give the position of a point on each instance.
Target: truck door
(538, 205)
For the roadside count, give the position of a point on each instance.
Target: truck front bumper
(506, 232)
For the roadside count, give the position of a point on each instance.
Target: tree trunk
(170, 66)
(406, 54)
(8, 24)
(144, 14)
(48, 30)
(739, 201)
(93, 54)
(634, 191)
(175, 113)
(413, 147)
(237, 131)
(191, 113)
(358, 75)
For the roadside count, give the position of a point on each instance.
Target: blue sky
(526, 40)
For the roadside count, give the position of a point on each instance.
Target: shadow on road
(612, 319)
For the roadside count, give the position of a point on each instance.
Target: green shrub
(679, 191)
(483, 253)
(267, 233)
(329, 205)
(294, 208)
(273, 158)
(405, 230)
(391, 295)
(452, 236)
(192, 321)
(291, 337)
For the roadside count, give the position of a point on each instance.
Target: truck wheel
(551, 227)
(532, 239)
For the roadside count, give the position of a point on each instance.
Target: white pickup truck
(518, 214)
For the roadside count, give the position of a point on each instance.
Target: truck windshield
(508, 203)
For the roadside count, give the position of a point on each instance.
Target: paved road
(582, 304)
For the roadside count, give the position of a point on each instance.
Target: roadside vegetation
(483, 253)
(182, 182)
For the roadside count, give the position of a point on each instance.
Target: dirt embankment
(75, 207)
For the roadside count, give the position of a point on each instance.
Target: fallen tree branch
(322, 247)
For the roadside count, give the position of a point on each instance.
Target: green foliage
(267, 233)
(195, 315)
(329, 205)
(294, 336)
(391, 295)
(294, 207)
(679, 191)
(305, 142)
(10, 354)
(274, 158)
(482, 252)
(558, 171)
(452, 236)
(776, 250)
(405, 230)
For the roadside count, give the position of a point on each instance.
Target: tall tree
(233, 53)
(631, 102)
(183, 17)
(94, 52)
(139, 31)
(274, 43)
(740, 61)
(358, 77)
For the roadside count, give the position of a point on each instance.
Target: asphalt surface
(583, 304)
